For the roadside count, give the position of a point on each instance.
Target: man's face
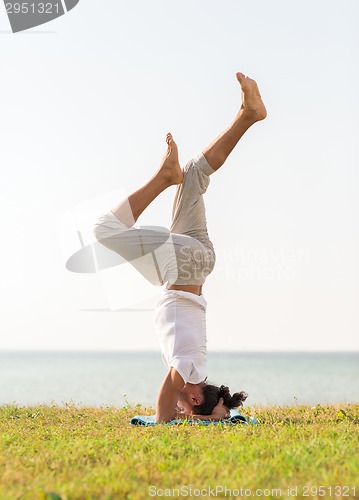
(190, 396)
(184, 404)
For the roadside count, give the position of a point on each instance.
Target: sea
(132, 378)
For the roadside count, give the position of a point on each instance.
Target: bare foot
(170, 167)
(252, 103)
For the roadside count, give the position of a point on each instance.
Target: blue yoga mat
(235, 418)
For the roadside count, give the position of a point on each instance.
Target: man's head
(202, 398)
(190, 396)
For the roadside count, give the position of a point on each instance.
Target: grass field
(93, 453)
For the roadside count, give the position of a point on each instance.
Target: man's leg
(251, 111)
(169, 173)
(196, 257)
(188, 212)
(188, 215)
(149, 250)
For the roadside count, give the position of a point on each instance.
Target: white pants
(182, 256)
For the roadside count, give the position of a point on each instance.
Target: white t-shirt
(180, 321)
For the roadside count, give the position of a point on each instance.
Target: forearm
(168, 396)
(166, 406)
(185, 416)
(219, 412)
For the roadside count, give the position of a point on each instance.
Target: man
(181, 259)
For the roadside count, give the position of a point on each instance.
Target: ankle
(167, 175)
(163, 178)
(245, 114)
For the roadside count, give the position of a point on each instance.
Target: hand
(221, 411)
(180, 413)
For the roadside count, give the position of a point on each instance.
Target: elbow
(163, 419)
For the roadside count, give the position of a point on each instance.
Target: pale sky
(86, 102)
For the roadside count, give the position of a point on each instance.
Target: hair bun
(243, 395)
(231, 401)
(238, 398)
(224, 391)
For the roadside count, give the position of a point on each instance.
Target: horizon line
(244, 351)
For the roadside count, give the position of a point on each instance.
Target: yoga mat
(235, 418)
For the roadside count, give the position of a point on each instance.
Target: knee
(97, 231)
(102, 228)
(108, 226)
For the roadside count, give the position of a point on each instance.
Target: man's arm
(171, 386)
(219, 412)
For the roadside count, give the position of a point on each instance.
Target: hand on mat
(221, 411)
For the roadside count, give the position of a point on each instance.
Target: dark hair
(212, 395)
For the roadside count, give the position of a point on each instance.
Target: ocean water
(118, 378)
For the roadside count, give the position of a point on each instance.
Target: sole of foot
(170, 168)
(252, 103)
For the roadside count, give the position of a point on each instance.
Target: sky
(86, 103)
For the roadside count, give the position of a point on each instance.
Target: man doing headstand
(181, 259)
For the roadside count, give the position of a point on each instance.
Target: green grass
(93, 453)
